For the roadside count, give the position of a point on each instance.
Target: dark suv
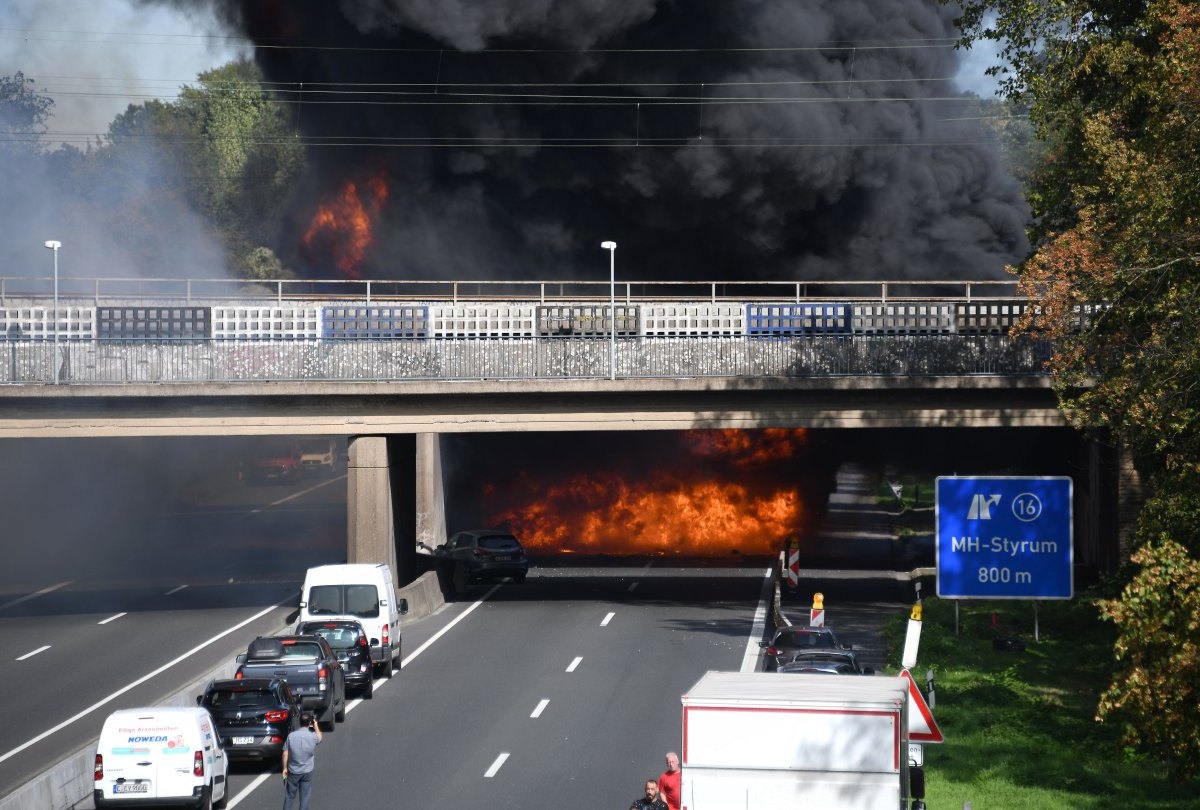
(352, 647)
(309, 666)
(253, 715)
(481, 554)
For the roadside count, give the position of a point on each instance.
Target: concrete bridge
(395, 492)
(393, 376)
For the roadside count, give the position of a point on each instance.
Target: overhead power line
(124, 37)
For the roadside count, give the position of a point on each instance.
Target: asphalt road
(561, 691)
(94, 623)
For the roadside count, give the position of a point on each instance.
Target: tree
(245, 148)
(23, 114)
(224, 150)
(1113, 92)
(1158, 656)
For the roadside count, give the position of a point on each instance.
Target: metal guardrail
(544, 358)
(100, 290)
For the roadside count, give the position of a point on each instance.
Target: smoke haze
(758, 139)
(709, 139)
(95, 60)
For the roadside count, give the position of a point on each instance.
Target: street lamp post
(611, 247)
(54, 246)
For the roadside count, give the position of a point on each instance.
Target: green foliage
(23, 114)
(244, 147)
(1158, 657)
(262, 263)
(1113, 92)
(225, 150)
(1020, 728)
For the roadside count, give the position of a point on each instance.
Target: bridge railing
(97, 290)
(542, 358)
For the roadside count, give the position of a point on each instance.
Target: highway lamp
(54, 246)
(611, 247)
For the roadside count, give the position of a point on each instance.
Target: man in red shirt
(668, 783)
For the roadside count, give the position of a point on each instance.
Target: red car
(276, 461)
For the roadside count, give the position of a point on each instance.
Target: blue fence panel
(797, 319)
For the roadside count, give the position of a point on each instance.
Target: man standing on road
(668, 783)
(652, 800)
(299, 758)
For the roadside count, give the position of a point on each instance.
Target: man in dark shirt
(651, 801)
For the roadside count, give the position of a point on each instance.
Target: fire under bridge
(393, 370)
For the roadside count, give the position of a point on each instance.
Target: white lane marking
(541, 707)
(42, 592)
(495, 766)
(379, 682)
(648, 565)
(632, 587)
(111, 618)
(144, 678)
(175, 590)
(295, 495)
(766, 595)
(35, 652)
(575, 663)
(248, 789)
(607, 619)
(443, 631)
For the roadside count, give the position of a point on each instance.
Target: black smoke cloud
(710, 139)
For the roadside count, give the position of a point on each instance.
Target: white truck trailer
(776, 741)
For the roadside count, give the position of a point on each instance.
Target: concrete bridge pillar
(431, 497)
(370, 533)
(394, 499)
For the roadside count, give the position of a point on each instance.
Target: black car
(788, 642)
(484, 554)
(309, 666)
(253, 715)
(827, 662)
(352, 647)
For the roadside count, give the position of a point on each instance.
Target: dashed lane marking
(42, 592)
(496, 765)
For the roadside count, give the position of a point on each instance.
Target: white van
(162, 755)
(361, 592)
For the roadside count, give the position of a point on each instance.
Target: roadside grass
(1019, 726)
(917, 491)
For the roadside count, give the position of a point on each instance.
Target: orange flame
(342, 224)
(688, 510)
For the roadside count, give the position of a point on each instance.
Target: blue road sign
(1004, 537)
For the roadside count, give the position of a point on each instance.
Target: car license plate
(132, 787)
(243, 741)
(504, 557)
